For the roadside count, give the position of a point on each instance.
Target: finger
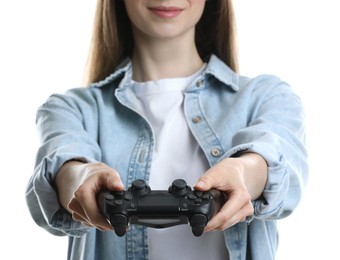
(240, 216)
(114, 182)
(237, 208)
(221, 221)
(90, 210)
(82, 217)
(84, 202)
(204, 183)
(111, 181)
(79, 213)
(86, 222)
(79, 218)
(213, 178)
(75, 207)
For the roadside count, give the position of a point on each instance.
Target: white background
(43, 48)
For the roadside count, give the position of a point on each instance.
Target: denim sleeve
(276, 131)
(63, 136)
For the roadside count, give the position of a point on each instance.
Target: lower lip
(166, 13)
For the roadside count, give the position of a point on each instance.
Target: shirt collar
(121, 71)
(222, 72)
(215, 68)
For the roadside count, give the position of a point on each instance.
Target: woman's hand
(243, 180)
(78, 185)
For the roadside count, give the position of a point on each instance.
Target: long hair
(112, 39)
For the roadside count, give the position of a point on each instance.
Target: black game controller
(160, 209)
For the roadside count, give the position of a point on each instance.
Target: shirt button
(199, 83)
(215, 152)
(197, 119)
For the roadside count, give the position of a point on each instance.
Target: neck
(157, 59)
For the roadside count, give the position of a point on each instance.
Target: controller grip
(119, 221)
(219, 199)
(101, 200)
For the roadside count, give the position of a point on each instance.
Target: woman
(166, 102)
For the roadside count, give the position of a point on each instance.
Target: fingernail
(200, 184)
(118, 184)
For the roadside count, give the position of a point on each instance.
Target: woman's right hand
(78, 185)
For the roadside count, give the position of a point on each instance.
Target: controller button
(138, 185)
(119, 202)
(139, 188)
(192, 196)
(206, 196)
(179, 187)
(198, 193)
(128, 196)
(109, 197)
(179, 184)
(185, 205)
(117, 194)
(198, 201)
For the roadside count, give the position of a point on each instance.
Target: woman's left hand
(242, 179)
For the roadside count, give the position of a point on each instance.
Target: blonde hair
(112, 39)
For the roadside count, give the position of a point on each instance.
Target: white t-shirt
(177, 155)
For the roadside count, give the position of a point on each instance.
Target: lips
(166, 12)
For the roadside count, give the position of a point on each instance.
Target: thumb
(114, 182)
(205, 182)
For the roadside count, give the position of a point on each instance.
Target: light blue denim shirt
(238, 114)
